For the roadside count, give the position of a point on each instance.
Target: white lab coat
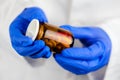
(103, 13)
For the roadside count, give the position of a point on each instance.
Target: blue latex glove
(93, 56)
(22, 44)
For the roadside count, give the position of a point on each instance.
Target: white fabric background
(104, 13)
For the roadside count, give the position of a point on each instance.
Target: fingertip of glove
(41, 43)
(46, 52)
(48, 55)
(26, 41)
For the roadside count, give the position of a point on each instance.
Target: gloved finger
(74, 70)
(37, 46)
(87, 53)
(47, 55)
(45, 52)
(77, 65)
(25, 17)
(33, 13)
(19, 39)
(80, 32)
(20, 25)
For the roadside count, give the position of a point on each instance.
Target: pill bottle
(54, 37)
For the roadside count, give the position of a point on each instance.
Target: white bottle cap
(33, 29)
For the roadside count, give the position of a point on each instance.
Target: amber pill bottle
(56, 38)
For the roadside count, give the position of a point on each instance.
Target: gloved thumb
(80, 32)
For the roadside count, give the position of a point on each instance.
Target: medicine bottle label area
(59, 37)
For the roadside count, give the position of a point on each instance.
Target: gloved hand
(93, 56)
(23, 44)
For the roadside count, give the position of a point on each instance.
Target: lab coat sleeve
(112, 27)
